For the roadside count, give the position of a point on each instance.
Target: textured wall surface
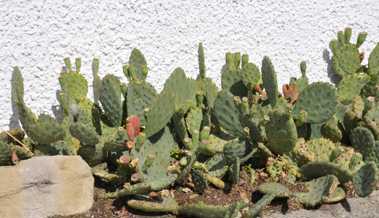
(36, 35)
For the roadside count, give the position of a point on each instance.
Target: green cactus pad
(202, 210)
(346, 59)
(318, 189)
(111, 100)
(363, 140)
(281, 132)
(193, 123)
(365, 179)
(231, 78)
(227, 114)
(154, 159)
(250, 74)
(371, 119)
(201, 61)
(137, 69)
(140, 96)
(322, 168)
(319, 102)
(331, 130)
(351, 86)
(276, 189)
(269, 80)
(96, 83)
(234, 149)
(155, 119)
(168, 205)
(85, 134)
(182, 88)
(74, 85)
(373, 61)
(209, 89)
(334, 197)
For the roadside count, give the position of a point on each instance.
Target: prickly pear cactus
(137, 69)
(302, 82)
(43, 130)
(227, 114)
(363, 140)
(346, 58)
(183, 89)
(365, 179)
(74, 87)
(155, 119)
(351, 86)
(318, 189)
(231, 78)
(111, 98)
(140, 97)
(371, 120)
(281, 132)
(201, 61)
(269, 80)
(276, 189)
(373, 61)
(154, 159)
(319, 102)
(318, 169)
(250, 73)
(331, 130)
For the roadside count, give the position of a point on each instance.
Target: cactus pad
(318, 189)
(319, 102)
(227, 114)
(139, 97)
(363, 140)
(281, 132)
(137, 69)
(269, 80)
(365, 179)
(373, 61)
(351, 86)
(154, 159)
(111, 100)
(346, 59)
(155, 119)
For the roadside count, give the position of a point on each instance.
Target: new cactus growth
(346, 58)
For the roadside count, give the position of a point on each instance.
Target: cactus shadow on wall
(14, 119)
(334, 78)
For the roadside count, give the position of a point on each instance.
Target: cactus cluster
(193, 134)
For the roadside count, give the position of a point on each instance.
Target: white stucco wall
(36, 35)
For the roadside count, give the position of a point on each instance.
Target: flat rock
(352, 208)
(46, 186)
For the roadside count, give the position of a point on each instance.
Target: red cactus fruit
(133, 127)
(124, 160)
(290, 92)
